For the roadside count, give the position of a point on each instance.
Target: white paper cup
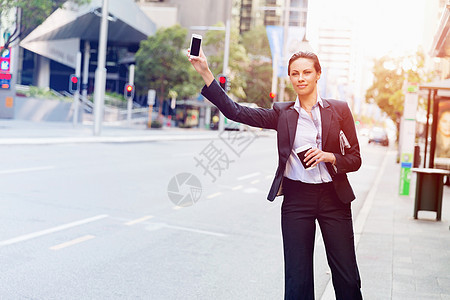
(301, 151)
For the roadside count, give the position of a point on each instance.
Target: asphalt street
(98, 220)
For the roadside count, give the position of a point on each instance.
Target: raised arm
(200, 64)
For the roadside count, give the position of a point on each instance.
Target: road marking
(248, 176)
(138, 220)
(177, 207)
(72, 242)
(195, 230)
(26, 170)
(269, 177)
(33, 235)
(360, 221)
(238, 187)
(255, 181)
(214, 195)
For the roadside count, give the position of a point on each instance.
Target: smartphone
(196, 41)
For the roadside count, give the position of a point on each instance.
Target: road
(96, 221)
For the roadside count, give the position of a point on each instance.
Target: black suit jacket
(282, 117)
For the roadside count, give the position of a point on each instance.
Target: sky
(384, 26)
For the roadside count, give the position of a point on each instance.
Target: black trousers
(304, 203)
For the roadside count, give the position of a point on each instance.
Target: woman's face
(444, 123)
(303, 76)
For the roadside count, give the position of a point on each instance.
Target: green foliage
(161, 64)
(386, 90)
(258, 84)
(214, 45)
(389, 76)
(256, 43)
(43, 93)
(258, 76)
(156, 124)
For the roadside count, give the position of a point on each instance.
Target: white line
(72, 242)
(255, 181)
(248, 176)
(365, 209)
(33, 235)
(360, 221)
(138, 220)
(238, 187)
(26, 170)
(196, 230)
(269, 177)
(177, 207)
(214, 195)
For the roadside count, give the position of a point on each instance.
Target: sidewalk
(19, 132)
(400, 257)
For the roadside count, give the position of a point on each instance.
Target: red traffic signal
(74, 83)
(223, 82)
(272, 95)
(223, 79)
(128, 91)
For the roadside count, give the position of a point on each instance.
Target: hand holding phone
(196, 41)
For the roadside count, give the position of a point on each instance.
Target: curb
(106, 139)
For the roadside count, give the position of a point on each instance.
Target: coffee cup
(301, 151)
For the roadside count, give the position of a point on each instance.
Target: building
(337, 56)
(188, 14)
(254, 13)
(50, 51)
(440, 46)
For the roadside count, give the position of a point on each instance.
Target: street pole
(87, 57)
(76, 95)
(226, 55)
(130, 99)
(151, 101)
(100, 73)
(287, 10)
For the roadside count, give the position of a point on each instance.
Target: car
(379, 135)
(232, 125)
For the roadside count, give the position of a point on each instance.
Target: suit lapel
(292, 119)
(325, 114)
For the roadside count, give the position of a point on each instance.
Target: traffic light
(74, 83)
(272, 95)
(128, 91)
(223, 81)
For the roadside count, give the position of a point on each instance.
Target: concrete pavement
(401, 257)
(19, 132)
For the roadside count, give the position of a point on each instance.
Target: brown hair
(308, 55)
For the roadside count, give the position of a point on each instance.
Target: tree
(390, 74)
(31, 13)
(214, 45)
(258, 76)
(161, 64)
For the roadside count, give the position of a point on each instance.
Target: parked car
(232, 125)
(379, 135)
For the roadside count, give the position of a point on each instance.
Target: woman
(443, 130)
(321, 193)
